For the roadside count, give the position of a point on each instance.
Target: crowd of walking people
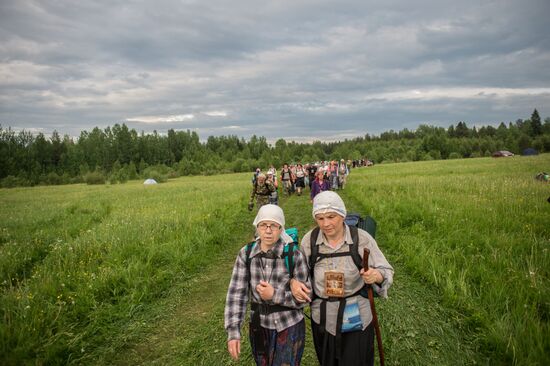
(294, 178)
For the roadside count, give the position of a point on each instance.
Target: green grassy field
(127, 274)
(477, 231)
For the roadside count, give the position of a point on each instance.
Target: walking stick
(373, 310)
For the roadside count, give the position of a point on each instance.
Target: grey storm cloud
(299, 70)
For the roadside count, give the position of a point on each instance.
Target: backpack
(288, 252)
(543, 176)
(355, 221)
(367, 223)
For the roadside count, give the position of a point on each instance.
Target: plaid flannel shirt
(276, 274)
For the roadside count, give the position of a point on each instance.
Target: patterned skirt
(282, 348)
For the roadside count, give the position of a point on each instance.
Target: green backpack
(288, 252)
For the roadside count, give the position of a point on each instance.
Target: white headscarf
(328, 201)
(273, 213)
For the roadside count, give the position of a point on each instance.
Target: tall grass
(81, 266)
(79, 262)
(479, 231)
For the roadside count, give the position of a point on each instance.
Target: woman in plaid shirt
(260, 274)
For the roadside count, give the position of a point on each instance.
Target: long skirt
(283, 348)
(274, 198)
(357, 347)
(333, 182)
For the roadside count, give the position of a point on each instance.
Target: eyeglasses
(263, 226)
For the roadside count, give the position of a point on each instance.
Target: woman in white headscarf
(341, 318)
(261, 274)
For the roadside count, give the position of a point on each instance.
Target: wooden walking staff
(373, 310)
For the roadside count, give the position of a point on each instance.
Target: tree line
(118, 154)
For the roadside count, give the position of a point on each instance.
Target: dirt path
(416, 329)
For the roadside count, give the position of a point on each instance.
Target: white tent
(150, 181)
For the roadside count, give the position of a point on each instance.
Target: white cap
(328, 201)
(273, 213)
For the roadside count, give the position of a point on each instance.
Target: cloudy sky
(300, 69)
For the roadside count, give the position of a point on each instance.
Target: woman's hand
(299, 291)
(234, 348)
(371, 276)
(265, 290)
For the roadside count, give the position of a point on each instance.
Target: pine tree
(536, 125)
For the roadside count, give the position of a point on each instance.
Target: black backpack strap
(313, 246)
(266, 309)
(339, 321)
(354, 248)
(321, 256)
(314, 250)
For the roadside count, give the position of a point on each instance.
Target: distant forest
(117, 154)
